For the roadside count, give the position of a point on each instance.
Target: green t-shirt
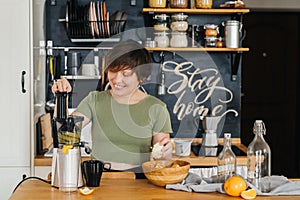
(123, 133)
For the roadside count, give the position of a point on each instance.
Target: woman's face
(123, 83)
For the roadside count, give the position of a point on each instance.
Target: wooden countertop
(192, 159)
(121, 189)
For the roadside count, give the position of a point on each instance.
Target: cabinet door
(15, 103)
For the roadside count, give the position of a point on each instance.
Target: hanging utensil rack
(95, 50)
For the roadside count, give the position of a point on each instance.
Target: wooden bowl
(162, 172)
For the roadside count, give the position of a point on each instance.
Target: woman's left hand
(164, 140)
(167, 148)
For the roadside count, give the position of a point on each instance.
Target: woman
(126, 122)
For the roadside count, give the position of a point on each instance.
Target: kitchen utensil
(210, 125)
(73, 62)
(66, 160)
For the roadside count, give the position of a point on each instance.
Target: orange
(86, 191)
(66, 148)
(249, 194)
(235, 185)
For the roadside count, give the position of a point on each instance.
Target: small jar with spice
(211, 30)
(157, 3)
(220, 42)
(204, 4)
(161, 39)
(161, 22)
(210, 41)
(179, 3)
(178, 39)
(179, 22)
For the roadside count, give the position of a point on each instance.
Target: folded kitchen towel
(280, 185)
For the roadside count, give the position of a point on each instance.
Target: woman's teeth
(119, 86)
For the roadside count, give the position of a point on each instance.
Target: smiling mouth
(119, 86)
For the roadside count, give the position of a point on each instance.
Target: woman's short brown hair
(129, 55)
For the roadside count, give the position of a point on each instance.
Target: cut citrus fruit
(248, 194)
(86, 191)
(66, 148)
(235, 185)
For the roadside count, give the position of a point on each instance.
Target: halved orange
(248, 194)
(86, 191)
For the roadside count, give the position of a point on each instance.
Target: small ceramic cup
(182, 147)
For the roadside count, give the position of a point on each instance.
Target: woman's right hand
(61, 85)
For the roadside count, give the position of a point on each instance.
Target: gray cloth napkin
(280, 185)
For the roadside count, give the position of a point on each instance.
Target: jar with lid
(161, 22)
(157, 3)
(220, 42)
(211, 30)
(178, 39)
(162, 39)
(204, 3)
(210, 41)
(179, 22)
(179, 3)
(150, 43)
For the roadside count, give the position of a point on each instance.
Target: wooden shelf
(195, 11)
(81, 77)
(212, 49)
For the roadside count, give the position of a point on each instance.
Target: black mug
(92, 171)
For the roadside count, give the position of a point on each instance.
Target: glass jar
(179, 22)
(150, 43)
(178, 39)
(157, 3)
(204, 3)
(211, 30)
(210, 41)
(162, 39)
(220, 42)
(162, 22)
(178, 3)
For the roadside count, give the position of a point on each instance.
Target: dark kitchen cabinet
(270, 85)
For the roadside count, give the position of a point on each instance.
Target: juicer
(66, 160)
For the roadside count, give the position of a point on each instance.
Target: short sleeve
(161, 118)
(86, 105)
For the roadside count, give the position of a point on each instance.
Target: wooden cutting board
(46, 127)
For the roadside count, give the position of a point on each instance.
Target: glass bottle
(226, 160)
(259, 159)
